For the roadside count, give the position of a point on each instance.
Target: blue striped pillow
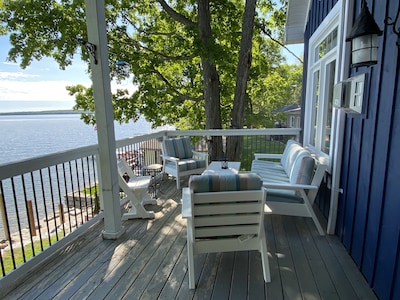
(219, 183)
(178, 147)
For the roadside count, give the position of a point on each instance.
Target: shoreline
(44, 112)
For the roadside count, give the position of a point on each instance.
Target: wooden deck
(149, 262)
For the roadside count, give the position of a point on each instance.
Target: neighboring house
(293, 112)
(361, 146)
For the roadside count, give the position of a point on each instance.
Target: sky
(41, 81)
(44, 81)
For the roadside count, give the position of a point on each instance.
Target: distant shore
(45, 112)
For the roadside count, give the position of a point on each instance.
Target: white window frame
(332, 21)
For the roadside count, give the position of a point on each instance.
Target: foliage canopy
(157, 45)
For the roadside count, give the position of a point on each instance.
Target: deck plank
(353, 275)
(132, 264)
(301, 263)
(257, 285)
(84, 282)
(290, 285)
(150, 262)
(206, 281)
(163, 272)
(240, 276)
(66, 263)
(223, 279)
(141, 283)
(274, 288)
(176, 282)
(320, 273)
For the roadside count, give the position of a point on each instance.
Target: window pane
(327, 126)
(329, 43)
(314, 120)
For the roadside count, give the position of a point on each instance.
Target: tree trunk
(235, 144)
(211, 80)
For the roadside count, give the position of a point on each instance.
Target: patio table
(215, 167)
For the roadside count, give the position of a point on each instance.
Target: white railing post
(97, 37)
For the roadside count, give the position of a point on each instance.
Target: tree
(183, 55)
(234, 144)
(278, 88)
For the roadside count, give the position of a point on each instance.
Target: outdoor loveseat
(293, 182)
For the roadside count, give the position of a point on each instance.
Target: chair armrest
(267, 155)
(170, 158)
(288, 186)
(186, 205)
(200, 154)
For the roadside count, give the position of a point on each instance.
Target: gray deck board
(149, 261)
(240, 276)
(306, 278)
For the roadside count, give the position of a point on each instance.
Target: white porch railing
(49, 200)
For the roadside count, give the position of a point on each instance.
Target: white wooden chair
(179, 159)
(135, 189)
(224, 213)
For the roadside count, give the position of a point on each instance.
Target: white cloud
(39, 85)
(16, 90)
(15, 75)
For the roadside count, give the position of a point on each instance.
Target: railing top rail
(37, 163)
(235, 132)
(140, 138)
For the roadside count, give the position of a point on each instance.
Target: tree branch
(175, 15)
(180, 95)
(267, 32)
(141, 31)
(159, 54)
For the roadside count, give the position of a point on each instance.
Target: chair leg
(137, 211)
(147, 199)
(264, 259)
(192, 283)
(312, 214)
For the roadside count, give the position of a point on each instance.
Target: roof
(291, 108)
(296, 19)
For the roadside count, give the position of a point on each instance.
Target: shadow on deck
(149, 262)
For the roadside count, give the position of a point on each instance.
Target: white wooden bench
(292, 183)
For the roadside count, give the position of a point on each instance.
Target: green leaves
(162, 49)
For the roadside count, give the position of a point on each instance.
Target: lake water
(28, 136)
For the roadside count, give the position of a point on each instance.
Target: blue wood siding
(369, 209)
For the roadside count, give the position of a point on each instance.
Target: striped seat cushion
(178, 147)
(216, 183)
(188, 164)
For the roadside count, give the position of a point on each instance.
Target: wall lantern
(364, 39)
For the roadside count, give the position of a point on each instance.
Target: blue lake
(28, 136)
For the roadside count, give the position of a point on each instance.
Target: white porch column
(108, 175)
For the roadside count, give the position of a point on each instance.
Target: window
(322, 76)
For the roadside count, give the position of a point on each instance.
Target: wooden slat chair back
(225, 213)
(135, 189)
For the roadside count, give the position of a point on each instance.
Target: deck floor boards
(149, 261)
